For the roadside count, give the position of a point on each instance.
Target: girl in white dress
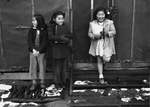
(101, 32)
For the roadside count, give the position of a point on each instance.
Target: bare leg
(100, 69)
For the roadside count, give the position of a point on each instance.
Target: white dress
(102, 47)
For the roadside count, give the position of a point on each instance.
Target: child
(37, 42)
(60, 37)
(101, 32)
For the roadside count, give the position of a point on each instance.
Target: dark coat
(59, 37)
(43, 37)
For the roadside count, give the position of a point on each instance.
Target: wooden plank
(121, 71)
(112, 66)
(109, 105)
(94, 105)
(21, 76)
(19, 70)
(35, 100)
(100, 86)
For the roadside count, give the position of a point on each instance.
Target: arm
(55, 38)
(90, 33)
(93, 36)
(67, 36)
(68, 33)
(112, 30)
(51, 35)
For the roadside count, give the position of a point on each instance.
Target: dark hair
(40, 21)
(97, 10)
(55, 14)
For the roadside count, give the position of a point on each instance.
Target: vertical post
(92, 8)
(33, 8)
(71, 59)
(71, 16)
(113, 3)
(1, 44)
(91, 18)
(2, 58)
(133, 27)
(108, 3)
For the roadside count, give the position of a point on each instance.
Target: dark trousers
(35, 63)
(60, 68)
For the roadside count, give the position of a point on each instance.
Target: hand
(64, 38)
(92, 37)
(106, 35)
(35, 52)
(97, 36)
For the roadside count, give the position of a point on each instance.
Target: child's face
(59, 19)
(100, 16)
(34, 22)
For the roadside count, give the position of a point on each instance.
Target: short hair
(55, 14)
(97, 10)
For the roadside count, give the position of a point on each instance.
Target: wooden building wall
(132, 24)
(15, 21)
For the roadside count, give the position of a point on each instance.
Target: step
(99, 86)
